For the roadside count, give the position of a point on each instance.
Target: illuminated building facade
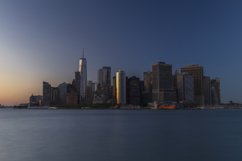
(83, 78)
(120, 87)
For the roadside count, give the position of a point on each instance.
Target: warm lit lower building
(120, 87)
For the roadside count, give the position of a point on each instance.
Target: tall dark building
(46, 94)
(104, 76)
(133, 91)
(215, 92)
(90, 92)
(54, 96)
(71, 95)
(68, 94)
(143, 101)
(104, 90)
(197, 72)
(184, 87)
(77, 84)
(63, 93)
(207, 90)
(114, 88)
(147, 92)
(162, 84)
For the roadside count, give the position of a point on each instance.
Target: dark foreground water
(119, 135)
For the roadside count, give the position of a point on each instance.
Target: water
(120, 135)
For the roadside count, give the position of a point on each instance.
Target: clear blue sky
(43, 40)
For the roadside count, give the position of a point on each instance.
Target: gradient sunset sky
(42, 40)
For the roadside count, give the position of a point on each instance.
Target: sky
(42, 40)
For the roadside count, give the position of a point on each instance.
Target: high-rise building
(207, 90)
(133, 91)
(76, 84)
(63, 87)
(50, 95)
(83, 78)
(46, 94)
(215, 92)
(104, 76)
(114, 88)
(71, 95)
(68, 94)
(104, 92)
(197, 72)
(184, 87)
(54, 96)
(120, 87)
(147, 87)
(90, 92)
(162, 83)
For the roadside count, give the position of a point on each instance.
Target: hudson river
(120, 135)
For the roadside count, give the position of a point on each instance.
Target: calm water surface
(120, 135)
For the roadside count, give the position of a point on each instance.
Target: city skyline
(43, 41)
(187, 87)
(79, 82)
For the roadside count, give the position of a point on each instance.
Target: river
(120, 135)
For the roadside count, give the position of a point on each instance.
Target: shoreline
(128, 107)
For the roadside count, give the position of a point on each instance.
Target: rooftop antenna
(83, 53)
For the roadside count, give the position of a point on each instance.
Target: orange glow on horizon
(15, 91)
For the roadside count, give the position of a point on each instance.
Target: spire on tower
(83, 53)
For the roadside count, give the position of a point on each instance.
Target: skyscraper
(207, 90)
(54, 96)
(104, 90)
(133, 91)
(120, 87)
(114, 88)
(184, 87)
(215, 92)
(162, 84)
(76, 84)
(63, 92)
(46, 94)
(90, 92)
(71, 95)
(107, 76)
(104, 76)
(197, 72)
(83, 77)
(147, 87)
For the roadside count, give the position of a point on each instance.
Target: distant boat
(167, 106)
